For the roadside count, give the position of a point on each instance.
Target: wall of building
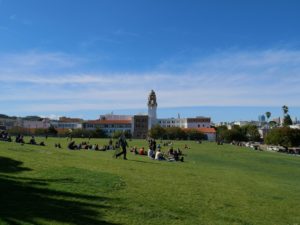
(199, 122)
(172, 122)
(140, 126)
(109, 126)
(28, 124)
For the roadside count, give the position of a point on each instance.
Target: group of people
(154, 152)
(87, 146)
(4, 136)
(83, 145)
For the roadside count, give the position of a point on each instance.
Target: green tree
(272, 124)
(287, 120)
(268, 115)
(174, 133)
(285, 109)
(118, 133)
(99, 133)
(283, 136)
(52, 130)
(157, 132)
(251, 132)
(194, 134)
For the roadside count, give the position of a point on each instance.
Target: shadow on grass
(140, 161)
(30, 201)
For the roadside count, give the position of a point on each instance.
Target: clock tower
(152, 107)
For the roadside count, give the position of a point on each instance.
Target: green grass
(215, 185)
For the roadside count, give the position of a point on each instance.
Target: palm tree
(268, 115)
(285, 109)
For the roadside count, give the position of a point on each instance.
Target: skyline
(78, 59)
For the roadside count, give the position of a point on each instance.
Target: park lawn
(215, 185)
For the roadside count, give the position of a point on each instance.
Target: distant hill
(32, 118)
(3, 116)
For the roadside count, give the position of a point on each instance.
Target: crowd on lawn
(4, 136)
(154, 151)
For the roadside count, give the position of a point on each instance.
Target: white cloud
(257, 78)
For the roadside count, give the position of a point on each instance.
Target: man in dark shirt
(123, 144)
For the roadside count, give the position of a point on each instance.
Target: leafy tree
(283, 136)
(118, 133)
(99, 133)
(237, 133)
(287, 120)
(221, 132)
(157, 132)
(268, 115)
(194, 134)
(52, 130)
(173, 133)
(272, 124)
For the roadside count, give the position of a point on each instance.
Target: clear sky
(226, 59)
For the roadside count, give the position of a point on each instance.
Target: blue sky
(226, 59)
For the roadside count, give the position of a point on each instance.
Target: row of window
(107, 126)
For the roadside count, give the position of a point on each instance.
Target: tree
(52, 130)
(173, 133)
(118, 133)
(99, 133)
(283, 136)
(194, 134)
(287, 120)
(251, 132)
(285, 109)
(268, 115)
(272, 124)
(157, 132)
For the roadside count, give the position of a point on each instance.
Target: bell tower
(152, 107)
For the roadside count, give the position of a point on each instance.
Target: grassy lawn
(215, 185)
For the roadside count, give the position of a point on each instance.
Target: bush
(237, 133)
(194, 134)
(81, 133)
(283, 136)
(117, 134)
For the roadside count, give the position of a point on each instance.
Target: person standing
(123, 144)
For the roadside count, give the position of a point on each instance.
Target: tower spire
(152, 107)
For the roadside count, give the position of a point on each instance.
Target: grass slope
(216, 185)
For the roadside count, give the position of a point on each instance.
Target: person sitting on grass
(177, 156)
(142, 151)
(32, 141)
(57, 145)
(72, 145)
(151, 153)
(159, 155)
(9, 138)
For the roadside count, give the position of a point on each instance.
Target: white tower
(152, 106)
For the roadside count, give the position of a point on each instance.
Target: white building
(172, 122)
(67, 123)
(197, 122)
(109, 126)
(29, 124)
